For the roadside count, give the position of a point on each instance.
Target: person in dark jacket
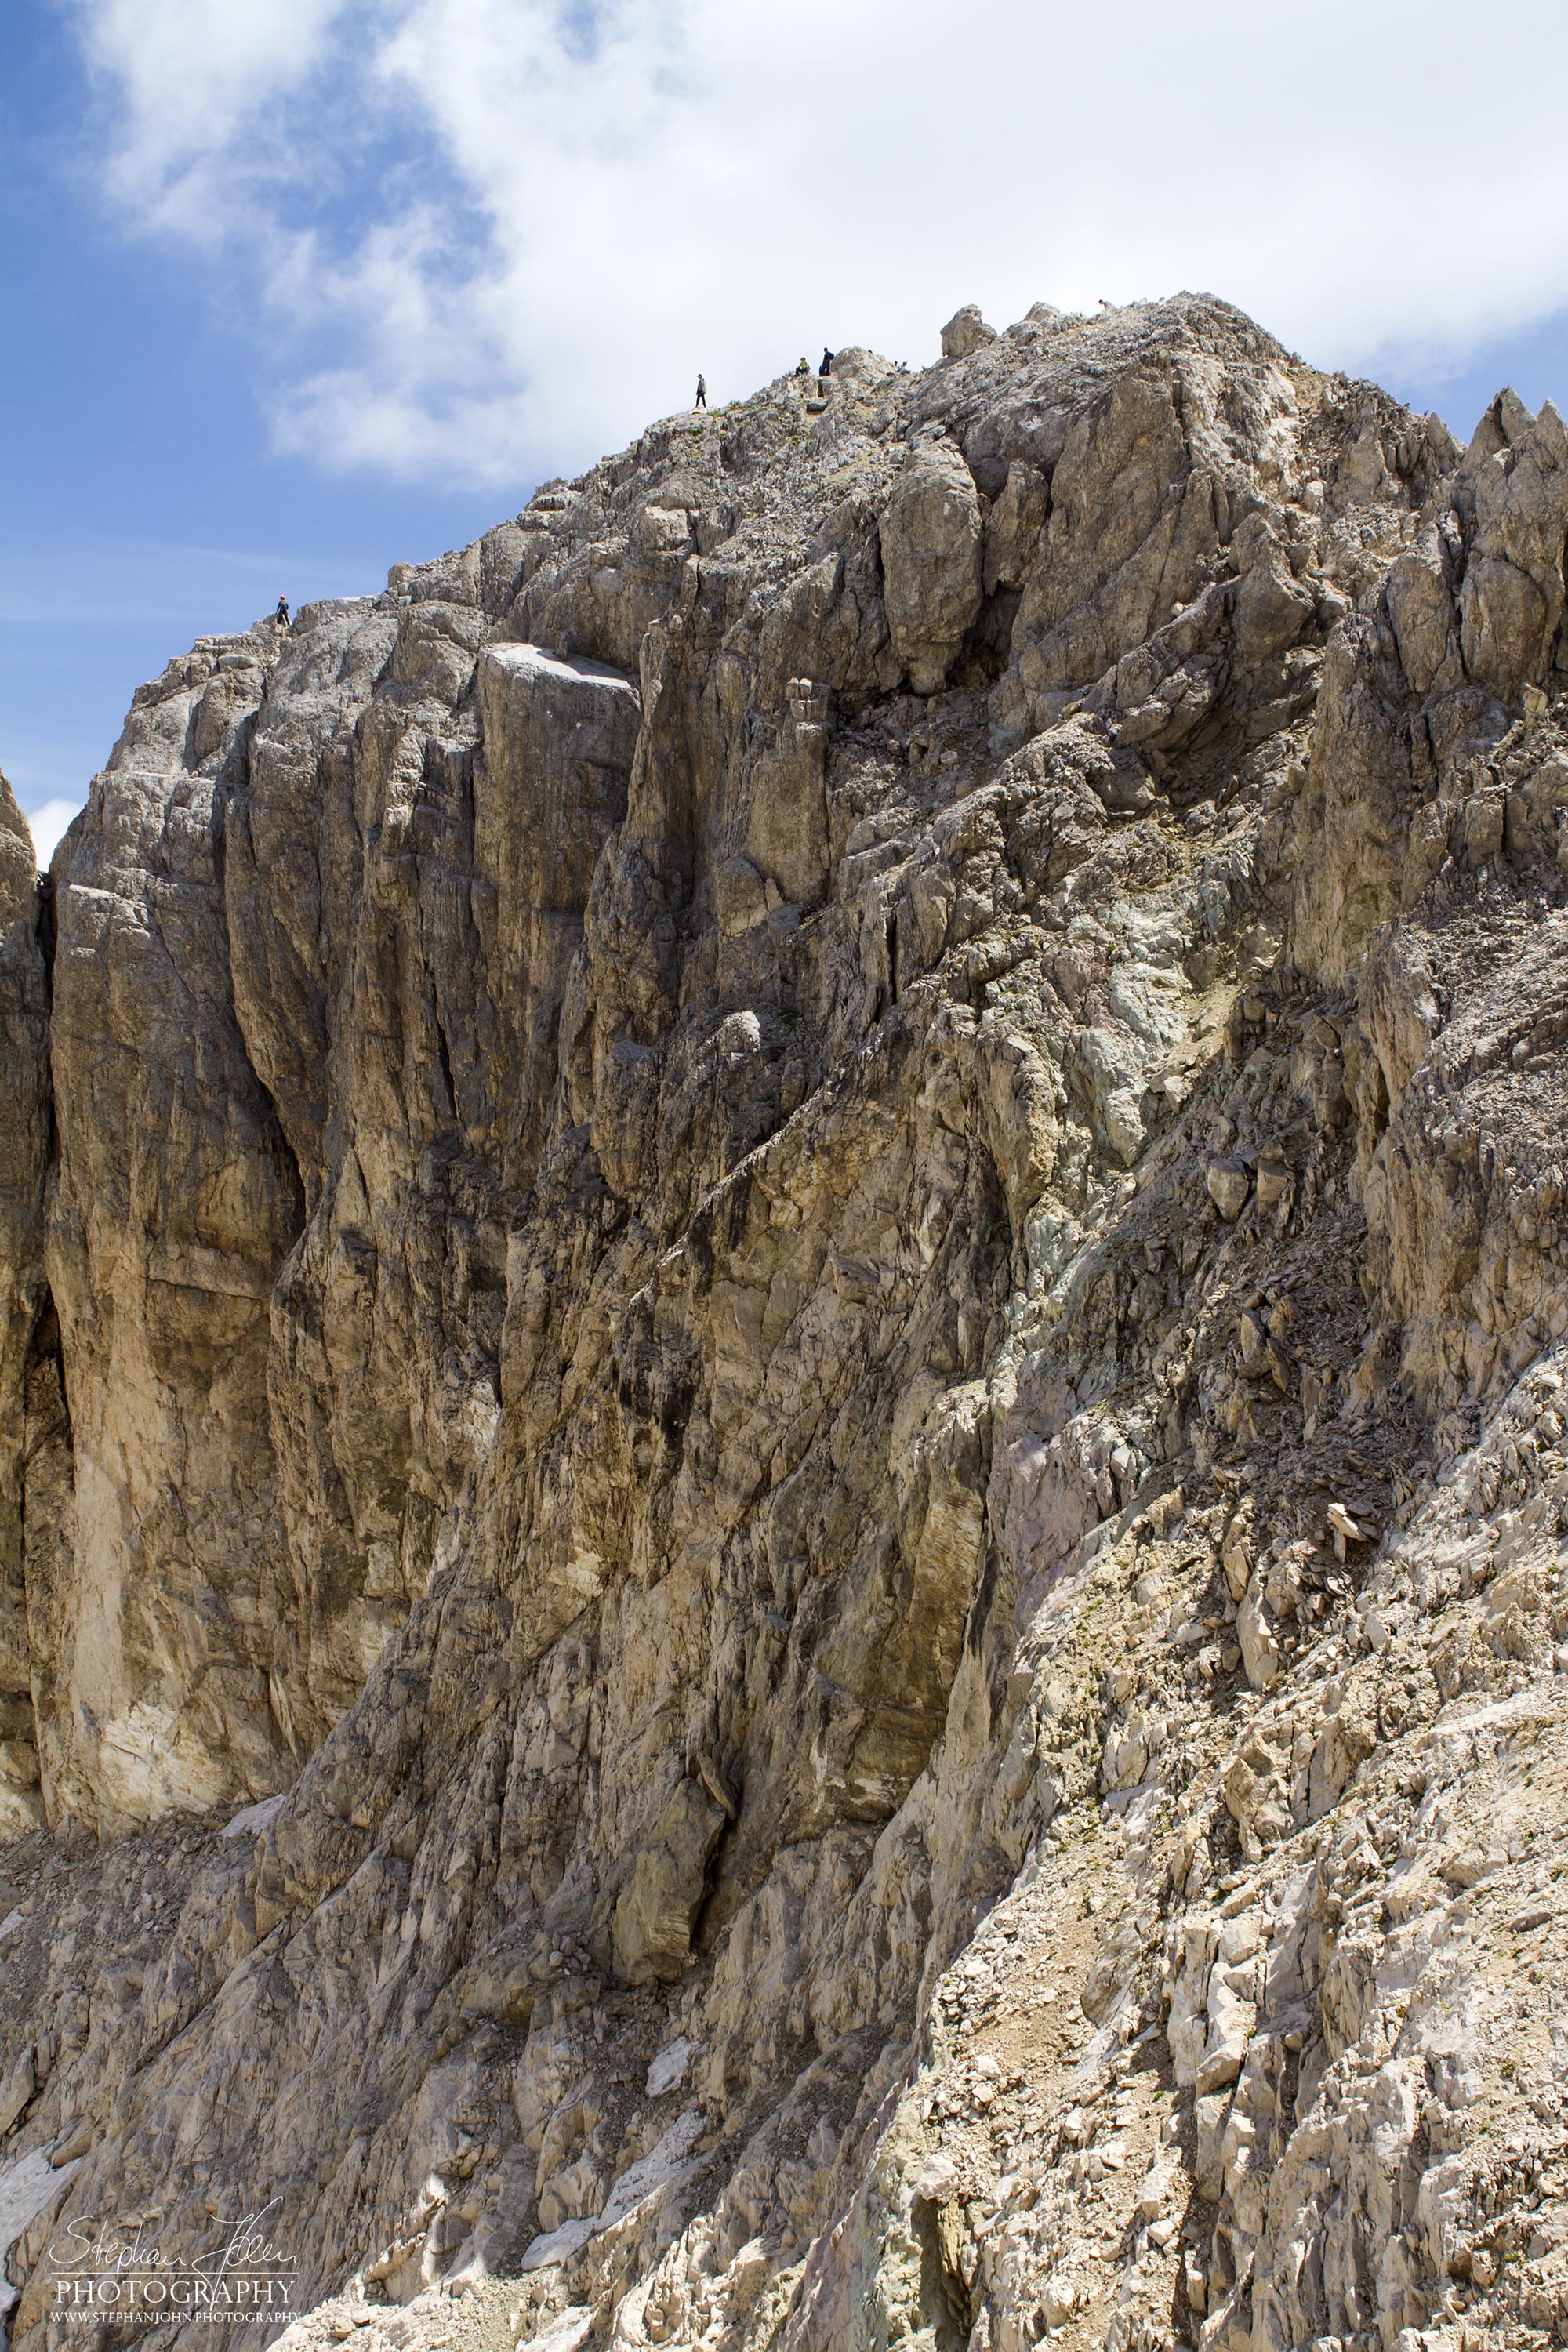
(825, 367)
(701, 399)
(282, 615)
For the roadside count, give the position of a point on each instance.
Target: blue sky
(143, 500)
(297, 291)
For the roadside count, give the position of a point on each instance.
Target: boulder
(1229, 1187)
(964, 333)
(654, 1916)
(932, 543)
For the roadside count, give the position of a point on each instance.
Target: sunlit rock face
(781, 1428)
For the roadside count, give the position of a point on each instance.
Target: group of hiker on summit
(803, 367)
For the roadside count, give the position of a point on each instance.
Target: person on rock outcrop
(282, 615)
(701, 399)
(803, 365)
(826, 365)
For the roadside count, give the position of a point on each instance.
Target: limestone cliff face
(803, 1233)
(29, 1392)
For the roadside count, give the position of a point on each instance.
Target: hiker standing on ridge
(701, 399)
(825, 367)
(282, 615)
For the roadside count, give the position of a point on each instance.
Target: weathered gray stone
(932, 558)
(630, 1431)
(964, 333)
(658, 1906)
(1229, 1186)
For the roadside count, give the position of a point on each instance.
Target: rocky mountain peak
(781, 1439)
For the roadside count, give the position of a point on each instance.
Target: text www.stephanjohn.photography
(124, 2275)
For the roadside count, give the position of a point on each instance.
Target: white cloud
(487, 234)
(190, 83)
(48, 822)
